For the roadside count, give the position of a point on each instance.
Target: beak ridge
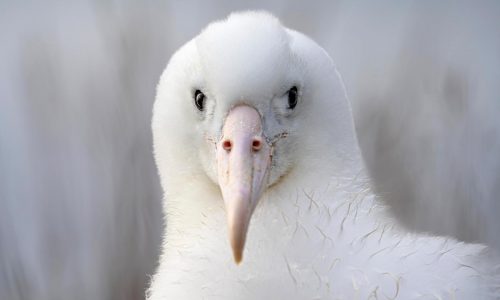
(243, 160)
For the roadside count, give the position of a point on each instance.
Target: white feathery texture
(318, 232)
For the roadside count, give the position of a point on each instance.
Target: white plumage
(317, 231)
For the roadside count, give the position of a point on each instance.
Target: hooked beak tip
(237, 235)
(238, 256)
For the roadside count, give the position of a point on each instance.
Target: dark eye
(292, 97)
(199, 100)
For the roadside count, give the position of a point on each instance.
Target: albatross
(266, 195)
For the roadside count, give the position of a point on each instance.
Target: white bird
(257, 154)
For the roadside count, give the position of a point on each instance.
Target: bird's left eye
(199, 100)
(292, 97)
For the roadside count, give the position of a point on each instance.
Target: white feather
(318, 232)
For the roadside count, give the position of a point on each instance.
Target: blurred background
(80, 201)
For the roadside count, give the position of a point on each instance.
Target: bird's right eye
(292, 97)
(199, 100)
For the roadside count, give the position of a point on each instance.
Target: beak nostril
(227, 145)
(256, 145)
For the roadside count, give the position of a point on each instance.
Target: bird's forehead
(244, 56)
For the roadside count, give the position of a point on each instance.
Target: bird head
(242, 107)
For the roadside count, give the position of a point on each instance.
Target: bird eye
(199, 100)
(292, 97)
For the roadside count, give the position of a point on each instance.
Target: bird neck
(306, 214)
(197, 204)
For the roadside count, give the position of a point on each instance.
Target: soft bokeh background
(80, 202)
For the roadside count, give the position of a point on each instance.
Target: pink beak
(243, 160)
